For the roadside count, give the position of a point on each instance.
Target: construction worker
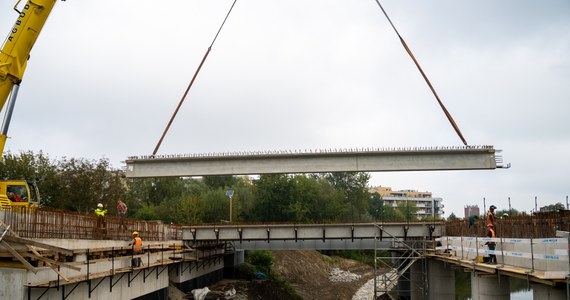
(122, 212)
(100, 212)
(137, 244)
(490, 220)
(491, 245)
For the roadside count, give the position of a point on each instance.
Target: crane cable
(447, 114)
(192, 81)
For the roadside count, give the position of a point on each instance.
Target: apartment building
(427, 206)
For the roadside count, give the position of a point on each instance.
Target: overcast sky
(105, 76)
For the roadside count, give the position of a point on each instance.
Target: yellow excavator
(13, 61)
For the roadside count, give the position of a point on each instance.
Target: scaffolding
(400, 267)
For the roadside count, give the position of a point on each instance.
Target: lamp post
(230, 194)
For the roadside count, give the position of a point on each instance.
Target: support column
(441, 280)
(545, 292)
(490, 287)
(418, 280)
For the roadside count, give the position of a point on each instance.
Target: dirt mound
(309, 273)
(312, 275)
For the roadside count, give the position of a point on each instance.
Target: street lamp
(230, 194)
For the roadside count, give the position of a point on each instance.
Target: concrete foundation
(418, 274)
(441, 280)
(545, 292)
(489, 287)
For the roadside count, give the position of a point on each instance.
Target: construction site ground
(308, 272)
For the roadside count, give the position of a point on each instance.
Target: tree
(376, 207)
(82, 183)
(355, 187)
(452, 217)
(36, 169)
(215, 182)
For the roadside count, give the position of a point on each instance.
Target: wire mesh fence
(48, 223)
(539, 225)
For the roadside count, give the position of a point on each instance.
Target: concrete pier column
(545, 292)
(490, 287)
(404, 286)
(441, 280)
(418, 281)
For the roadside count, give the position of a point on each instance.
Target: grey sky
(105, 76)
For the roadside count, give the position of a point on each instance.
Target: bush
(246, 270)
(261, 259)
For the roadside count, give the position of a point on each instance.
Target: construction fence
(49, 223)
(540, 225)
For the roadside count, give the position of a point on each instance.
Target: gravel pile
(338, 275)
(366, 291)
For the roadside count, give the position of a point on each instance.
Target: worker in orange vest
(491, 245)
(490, 220)
(137, 244)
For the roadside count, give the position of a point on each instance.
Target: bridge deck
(540, 260)
(320, 161)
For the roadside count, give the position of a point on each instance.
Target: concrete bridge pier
(545, 292)
(490, 287)
(441, 280)
(419, 280)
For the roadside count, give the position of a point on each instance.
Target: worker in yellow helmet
(100, 212)
(137, 245)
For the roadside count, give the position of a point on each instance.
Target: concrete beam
(320, 161)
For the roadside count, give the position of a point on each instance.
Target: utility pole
(230, 194)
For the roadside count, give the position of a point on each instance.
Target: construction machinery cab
(17, 193)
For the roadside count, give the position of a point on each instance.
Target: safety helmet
(100, 205)
(135, 233)
(490, 225)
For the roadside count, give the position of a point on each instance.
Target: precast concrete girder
(319, 161)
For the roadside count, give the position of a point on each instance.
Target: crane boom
(16, 50)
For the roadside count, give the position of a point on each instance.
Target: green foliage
(261, 259)
(452, 217)
(82, 183)
(246, 269)
(355, 188)
(216, 206)
(406, 211)
(37, 169)
(146, 212)
(363, 256)
(287, 286)
(219, 182)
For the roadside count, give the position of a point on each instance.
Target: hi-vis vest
(137, 246)
(490, 219)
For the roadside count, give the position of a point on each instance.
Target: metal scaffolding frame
(394, 277)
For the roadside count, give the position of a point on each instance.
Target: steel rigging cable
(192, 81)
(447, 114)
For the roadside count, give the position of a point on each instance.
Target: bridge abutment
(490, 287)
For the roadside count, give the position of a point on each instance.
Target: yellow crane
(13, 61)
